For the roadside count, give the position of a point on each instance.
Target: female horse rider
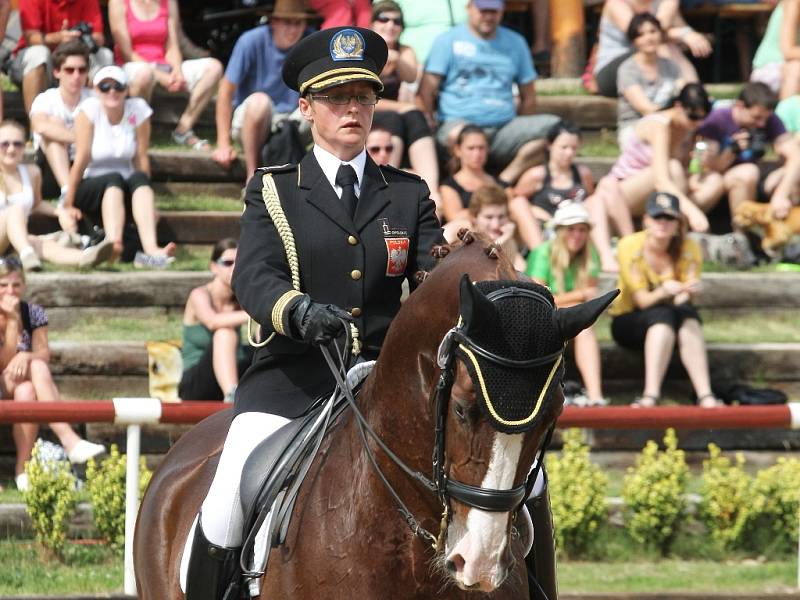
(322, 241)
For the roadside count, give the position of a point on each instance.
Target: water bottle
(696, 164)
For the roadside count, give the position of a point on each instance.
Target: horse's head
(504, 361)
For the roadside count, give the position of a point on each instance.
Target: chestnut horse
(347, 539)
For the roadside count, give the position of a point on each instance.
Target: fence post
(133, 412)
(131, 503)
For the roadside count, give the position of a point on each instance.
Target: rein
(488, 499)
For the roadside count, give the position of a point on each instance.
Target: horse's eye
(460, 410)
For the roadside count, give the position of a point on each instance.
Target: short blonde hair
(487, 195)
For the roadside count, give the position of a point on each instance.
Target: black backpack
(284, 145)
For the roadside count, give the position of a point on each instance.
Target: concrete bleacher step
(182, 227)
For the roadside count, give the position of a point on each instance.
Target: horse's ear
(571, 321)
(474, 307)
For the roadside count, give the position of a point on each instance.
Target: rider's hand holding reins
(316, 323)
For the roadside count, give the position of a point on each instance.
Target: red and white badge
(397, 252)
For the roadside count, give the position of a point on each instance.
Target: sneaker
(84, 450)
(597, 402)
(22, 482)
(152, 261)
(99, 253)
(30, 262)
(190, 139)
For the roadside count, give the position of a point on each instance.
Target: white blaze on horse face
(478, 555)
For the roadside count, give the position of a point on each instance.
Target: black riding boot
(213, 570)
(541, 561)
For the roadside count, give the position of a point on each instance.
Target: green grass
(202, 202)
(119, 329)
(84, 569)
(677, 575)
(599, 145)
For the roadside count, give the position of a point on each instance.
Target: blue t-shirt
(477, 74)
(255, 66)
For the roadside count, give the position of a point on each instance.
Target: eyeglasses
(376, 149)
(16, 144)
(384, 19)
(343, 99)
(71, 70)
(665, 217)
(224, 262)
(107, 86)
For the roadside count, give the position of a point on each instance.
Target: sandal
(190, 139)
(709, 401)
(645, 401)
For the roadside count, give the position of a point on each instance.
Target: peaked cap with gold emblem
(333, 57)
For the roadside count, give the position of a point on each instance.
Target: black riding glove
(316, 323)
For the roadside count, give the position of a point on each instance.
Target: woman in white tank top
(20, 195)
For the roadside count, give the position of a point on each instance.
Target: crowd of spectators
(459, 108)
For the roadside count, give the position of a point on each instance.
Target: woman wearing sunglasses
(26, 376)
(655, 158)
(110, 174)
(21, 195)
(213, 356)
(659, 275)
(410, 130)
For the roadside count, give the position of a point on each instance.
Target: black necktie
(346, 179)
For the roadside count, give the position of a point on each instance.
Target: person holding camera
(45, 25)
(737, 137)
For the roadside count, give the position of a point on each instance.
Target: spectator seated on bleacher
(53, 114)
(569, 265)
(410, 130)
(21, 195)
(488, 214)
(147, 44)
(45, 25)
(646, 81)
(336, 13)
(26, 377)
(424, 21)
(469, 78)
(468, 168)
(613, 46)
(252, 97)
(380, 145)
(213, 355)
(738, 136)
(659, 274)
(542, 189)
(655, 159)
(777, 59)
(110, 174)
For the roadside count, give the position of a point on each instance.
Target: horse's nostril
(455, 564)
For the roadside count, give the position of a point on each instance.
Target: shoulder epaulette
(278, 168)
(395, 170)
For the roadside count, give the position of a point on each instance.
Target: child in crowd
(569, 265)
(110, 172)
(488, 214)
(213, 357)
(26, 376)
(658, 277)
(21, 195)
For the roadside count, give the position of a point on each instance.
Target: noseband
(488, 499)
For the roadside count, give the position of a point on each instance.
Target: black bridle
(488, 499)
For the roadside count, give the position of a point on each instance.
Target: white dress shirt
(330, 166)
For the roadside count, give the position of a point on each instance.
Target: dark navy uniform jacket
(355, 263)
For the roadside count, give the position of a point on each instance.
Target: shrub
(726, 497)
(51, 498)
(654, 493)
(578, 493)
(776, 504)
(106, 486)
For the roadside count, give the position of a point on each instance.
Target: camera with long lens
(85, 30)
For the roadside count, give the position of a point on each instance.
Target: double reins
(488, 499)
